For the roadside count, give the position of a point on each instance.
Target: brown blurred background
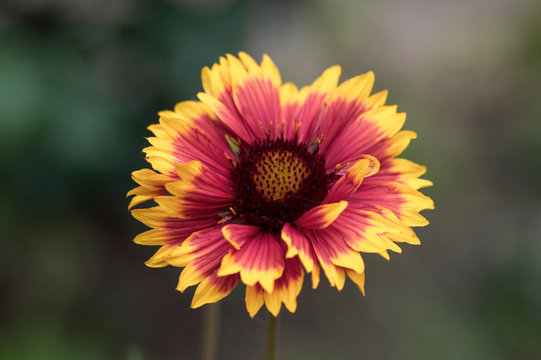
(79, 82)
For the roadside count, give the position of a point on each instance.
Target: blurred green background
(79, 82)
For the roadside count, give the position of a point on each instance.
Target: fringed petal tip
(285, 291)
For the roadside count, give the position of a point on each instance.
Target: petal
(201, 193)
(195, 145)
(298, 243)
(402, 171)
(244, 95)
(315, 276)
(361, 231)
(238, 234)
(213, 289)
(321, 216)
(268, 68)
(351, 121)
(344, 107)
(290, 107)
(142, 194)
(286, 290)
(201, 254)
(203, 119)
(393, 146)
(357, 88)
(357, 278)
(370, 128)
(256, 94)
(400, 199)
(329, 247)
(152, 184)
(353, 178)
(191, 132)
(149, 179)
(312, 98)
(334, 254)
(259, 260)
(230, 116)
(196, 134)
(216, 80)
(254, 299)
(375, 100)
(159, 258)
(167, 230)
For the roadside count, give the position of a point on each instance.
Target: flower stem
(272, 330)
(211, 327)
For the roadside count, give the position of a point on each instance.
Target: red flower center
(276, 181)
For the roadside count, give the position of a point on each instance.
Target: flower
(259, 181)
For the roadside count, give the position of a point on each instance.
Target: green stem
(211, 327)
(272, 330)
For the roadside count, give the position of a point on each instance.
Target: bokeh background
(80, 81)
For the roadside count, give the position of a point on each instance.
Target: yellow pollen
(278, 174)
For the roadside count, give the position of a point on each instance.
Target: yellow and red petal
(199, 136)
(201, 254)
(368, 129)
(363, 231)
(299, 244)
(201, 193)
(286, 290)
(151, 183)
(191, 132)
(352, 179)
(403, 171)
(326, 248)
(202, 118)
(238, 234)
(403, 201)
(167, 230)
(245, 96)
(141, 194)
(256, 92)
(351, 122)
(148, 178)
(321, 216)
(334, 254)
(344, 106)
(312, 98)
(290, 106)
(259, 260)
(393, 146)
(213, 288)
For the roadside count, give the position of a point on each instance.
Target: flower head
(259, 182)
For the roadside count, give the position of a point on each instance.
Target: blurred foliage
(81, 80)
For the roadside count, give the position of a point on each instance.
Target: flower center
(276, 181)
(279, 174)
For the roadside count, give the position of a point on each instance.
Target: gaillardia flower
(259, 181)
